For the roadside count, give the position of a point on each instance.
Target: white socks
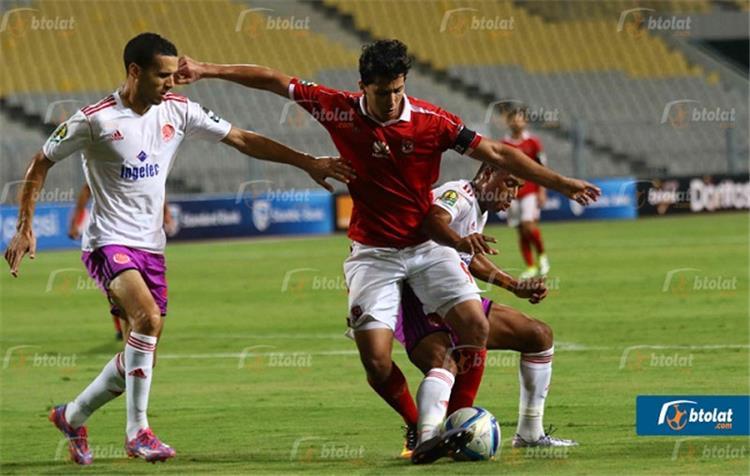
(139, 360)
(432, 401)
(534, 375)
(108, 385)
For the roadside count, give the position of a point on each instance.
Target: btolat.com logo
(678, 413)
(710, 415)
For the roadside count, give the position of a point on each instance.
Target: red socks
(526, 251)
(116, 320)
(470, 369)
(395, 391)
(536, 239)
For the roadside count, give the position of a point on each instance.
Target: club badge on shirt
(167, 132)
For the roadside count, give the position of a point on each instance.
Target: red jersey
(531, 146)
(396, 162)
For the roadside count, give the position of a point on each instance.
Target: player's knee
(147, 321)
(473, 331)
(378, 369)
(541, 337)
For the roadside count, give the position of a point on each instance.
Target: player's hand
(73, 232)
(170, 226)
(188, 70)
(22, 243)
(581, 191)
(334, 167)
(541, 199)
(533, 289)
(476, 244)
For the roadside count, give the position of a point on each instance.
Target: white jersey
(126, 160)
(458, 199)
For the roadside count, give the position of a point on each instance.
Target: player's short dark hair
(483, 169)
(517, 109)
(385, 59)
(142, 49)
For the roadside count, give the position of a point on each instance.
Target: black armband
(463, 141)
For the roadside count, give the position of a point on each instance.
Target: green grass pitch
(254, 374)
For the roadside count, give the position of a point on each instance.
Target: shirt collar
(405, 113)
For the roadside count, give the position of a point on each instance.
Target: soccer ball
(486, 442)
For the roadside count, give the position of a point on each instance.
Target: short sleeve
(71, 136)
(203, 123)
(327, 105)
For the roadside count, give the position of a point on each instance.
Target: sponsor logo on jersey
(380, 149)
(117, 135)
(449, 197)
(211, 115)
(167, 132)
(60, 133)
(121, 258)
(142, 156)
(135, 173)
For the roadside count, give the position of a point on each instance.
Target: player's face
(384, 97)
(156, 80)
(516, 122)
(502, 189)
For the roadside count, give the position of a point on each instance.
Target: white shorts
(374, 276)
(523, 210)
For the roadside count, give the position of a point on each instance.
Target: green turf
(228, 414)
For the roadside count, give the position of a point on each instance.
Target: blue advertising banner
(50, 225)
(679, 415)
(271, 213)
(617, 202)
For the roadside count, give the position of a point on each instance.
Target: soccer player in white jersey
(129, 140)
(457, 219)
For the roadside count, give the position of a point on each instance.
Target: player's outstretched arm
(263, 148)
(24, 241)
(250, 75)
(519, 164)
(532, 289)
(437, 226)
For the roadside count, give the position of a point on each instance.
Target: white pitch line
(559, 347)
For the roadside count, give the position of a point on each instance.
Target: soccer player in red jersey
(525, 211)
(395, 142)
